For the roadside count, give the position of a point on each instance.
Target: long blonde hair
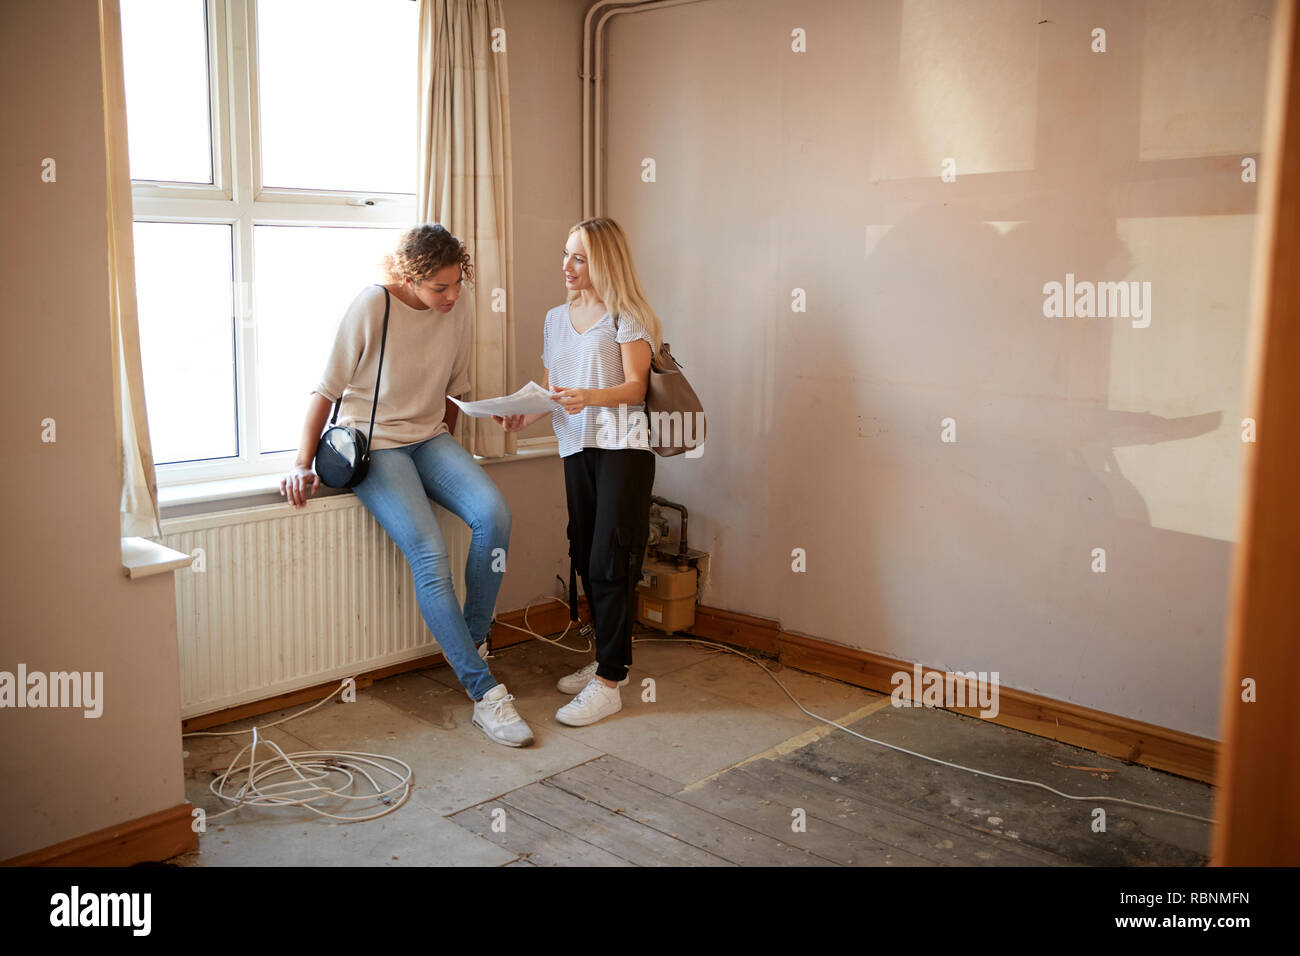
(613, 275)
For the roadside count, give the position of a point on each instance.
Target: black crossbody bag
(343, 452)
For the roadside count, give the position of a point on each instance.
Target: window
(272, 151)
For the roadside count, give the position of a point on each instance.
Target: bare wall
(545, 50)
(67, 604)
(820, 171)
(544, 43)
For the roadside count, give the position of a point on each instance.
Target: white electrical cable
(955, 766)
(586, 631)
(306, 769)
(319, 764)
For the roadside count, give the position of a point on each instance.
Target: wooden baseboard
(148, 839)
(743, 630)
(547, 618)
(1114, 736)
(1121, 737)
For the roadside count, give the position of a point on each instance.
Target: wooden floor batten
(862, 806)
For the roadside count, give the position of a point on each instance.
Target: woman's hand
(299, 485)
(574, 400)
(512, 423)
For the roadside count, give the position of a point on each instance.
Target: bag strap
(573, 591)
(383, 343)
(656, 361)
(374, 404)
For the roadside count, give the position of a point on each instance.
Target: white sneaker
(595, 702)
(496, 716)
(482, 649)
(579, 679)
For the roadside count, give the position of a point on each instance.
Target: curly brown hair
(423, 251)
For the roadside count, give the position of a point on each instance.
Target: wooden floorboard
(537, 842)
(864, 806)
(1041, 822)
(699, 828)
(612, 832)
(639, 775)
(930, 836)
(730, 797)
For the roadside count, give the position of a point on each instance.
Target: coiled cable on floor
(306, 772)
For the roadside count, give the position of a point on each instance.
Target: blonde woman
(414, 456)
(597, 352)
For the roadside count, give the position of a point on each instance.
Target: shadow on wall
(826, 426)
(988, 540)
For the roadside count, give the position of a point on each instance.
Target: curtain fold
(464, 183)
(139, 500)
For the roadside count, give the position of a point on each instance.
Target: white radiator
(288, 598)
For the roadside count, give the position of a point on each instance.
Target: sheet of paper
(529, 400)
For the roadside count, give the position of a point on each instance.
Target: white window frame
(237, 198)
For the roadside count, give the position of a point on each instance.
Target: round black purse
(343, 452)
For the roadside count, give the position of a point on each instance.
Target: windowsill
(142, 558)
(201, 497)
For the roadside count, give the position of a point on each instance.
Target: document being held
(529, 400)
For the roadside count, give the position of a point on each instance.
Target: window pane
(165, 62)
(338, 93)
(306, 276)
(187, 342)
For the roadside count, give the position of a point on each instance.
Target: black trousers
(608, 491)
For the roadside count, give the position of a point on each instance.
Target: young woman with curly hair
(414, 456)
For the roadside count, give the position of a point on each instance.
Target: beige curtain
(464, 182)
(139, 504)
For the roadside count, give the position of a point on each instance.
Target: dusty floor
(719, 770)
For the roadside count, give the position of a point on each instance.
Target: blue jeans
(396, 490)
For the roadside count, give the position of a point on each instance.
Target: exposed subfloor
(720, 769)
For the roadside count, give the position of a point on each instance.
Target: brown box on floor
(665, 598)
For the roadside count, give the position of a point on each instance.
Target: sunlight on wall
(1187, 369)
(1182, 116)
(967, 89)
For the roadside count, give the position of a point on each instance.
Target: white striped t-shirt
(591, 360)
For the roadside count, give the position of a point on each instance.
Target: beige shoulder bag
(672, 405)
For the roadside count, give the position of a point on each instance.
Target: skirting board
(1111, 735)
(148, 839)
(1121, 737)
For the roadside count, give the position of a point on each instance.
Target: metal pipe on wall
(592, 180)
(587, 79)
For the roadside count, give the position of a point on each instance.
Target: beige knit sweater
(426, 359)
